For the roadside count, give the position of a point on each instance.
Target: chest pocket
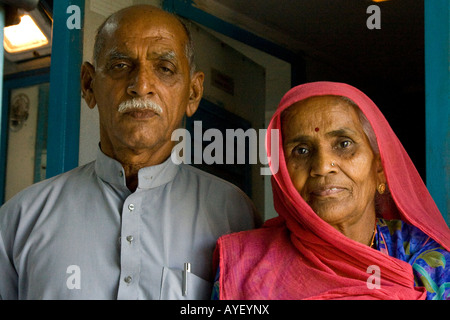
(172, 286)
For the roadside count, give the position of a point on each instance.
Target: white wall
(21, 146)
(278, 82)
(248, 100)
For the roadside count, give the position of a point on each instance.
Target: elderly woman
(355, 219)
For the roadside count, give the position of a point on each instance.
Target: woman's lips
(327, 191)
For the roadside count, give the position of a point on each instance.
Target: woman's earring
(381, 188)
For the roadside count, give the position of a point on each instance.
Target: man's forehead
(123, 38)
(144, 23)
(135, 33)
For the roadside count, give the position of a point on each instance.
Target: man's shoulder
(26, 206)
(44, 187)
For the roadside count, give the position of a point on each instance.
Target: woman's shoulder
(253, 244)
(261, 234)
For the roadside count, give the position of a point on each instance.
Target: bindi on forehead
(316, 129)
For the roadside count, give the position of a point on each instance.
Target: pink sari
(299, 256)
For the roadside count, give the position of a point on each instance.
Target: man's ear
(87, 76)
(196, 93)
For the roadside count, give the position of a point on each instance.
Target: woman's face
(329, 159)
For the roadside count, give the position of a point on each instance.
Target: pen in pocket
(186, 271)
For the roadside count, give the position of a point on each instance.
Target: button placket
(129, 249)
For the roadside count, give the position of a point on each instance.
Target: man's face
(145, 59)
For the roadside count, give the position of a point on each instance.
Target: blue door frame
(437, 102)
(65, 90)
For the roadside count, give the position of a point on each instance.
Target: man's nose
(323, 163)
(141, 83)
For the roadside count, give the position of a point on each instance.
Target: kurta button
(131, 207)
(130, 239)
(128, 279)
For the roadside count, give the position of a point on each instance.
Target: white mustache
(140, 104)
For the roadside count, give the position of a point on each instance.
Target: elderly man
(132, 224)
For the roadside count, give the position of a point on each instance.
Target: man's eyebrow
(115, 54)
(167, 55)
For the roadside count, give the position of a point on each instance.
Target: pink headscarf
(316, 250)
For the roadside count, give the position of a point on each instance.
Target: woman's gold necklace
(373, 236)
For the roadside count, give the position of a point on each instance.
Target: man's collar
(111, 171)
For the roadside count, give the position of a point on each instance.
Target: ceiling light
(24, 36)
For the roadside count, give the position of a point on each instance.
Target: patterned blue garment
(427, 257)
(409, 244)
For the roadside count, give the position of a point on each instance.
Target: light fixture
(30, 38)
(24, 36)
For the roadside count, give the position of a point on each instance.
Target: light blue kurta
(84, 235)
